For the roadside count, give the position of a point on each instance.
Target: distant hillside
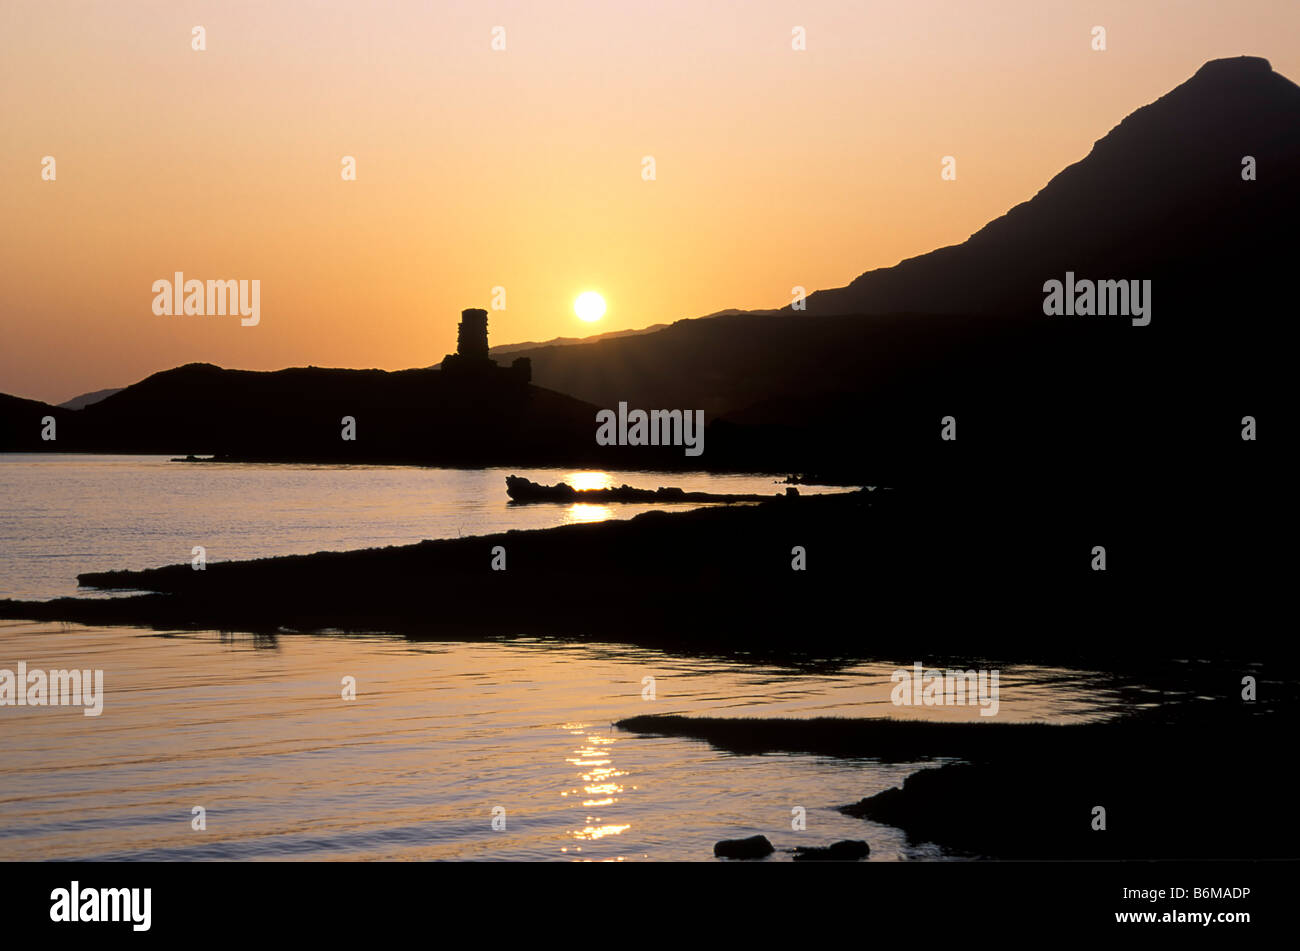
(85, 399)
(517, 348)
(21, 423)
(523, 349)
(410, 416)
(533, 350)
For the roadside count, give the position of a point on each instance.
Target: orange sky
(522, 168)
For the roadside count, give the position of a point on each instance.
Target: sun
(589, 306)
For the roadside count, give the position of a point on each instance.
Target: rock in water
(755, 847)
(846, 850)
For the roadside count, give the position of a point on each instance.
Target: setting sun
(589, 306)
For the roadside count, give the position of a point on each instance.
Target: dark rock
(522, 490)
(846, 850)
(755, 847)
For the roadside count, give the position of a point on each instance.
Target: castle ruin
(471, 357)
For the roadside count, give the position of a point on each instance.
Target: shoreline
(1030, 791)
(842, 575)
(889, 576)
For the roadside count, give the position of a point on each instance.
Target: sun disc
(589, 306)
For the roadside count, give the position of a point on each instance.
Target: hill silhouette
(418, 416)
(21, 423)
(503, 349)
(85, 399)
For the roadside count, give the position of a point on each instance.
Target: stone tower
(472, 337)
(471, 362)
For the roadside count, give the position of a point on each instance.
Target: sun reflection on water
(599, 832)
(599, 782)
(588, 512)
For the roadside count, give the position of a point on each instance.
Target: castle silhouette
(471, 358)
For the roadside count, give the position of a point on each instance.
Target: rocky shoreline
(524, 491)
(1032, 791)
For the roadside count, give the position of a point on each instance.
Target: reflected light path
(600, 780)
(588, 512)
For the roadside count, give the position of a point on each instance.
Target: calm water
(256, 732)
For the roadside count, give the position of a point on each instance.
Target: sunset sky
(523, 168)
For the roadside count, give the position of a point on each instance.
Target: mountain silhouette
(962, 331)
(1160, 196)
(860, 381)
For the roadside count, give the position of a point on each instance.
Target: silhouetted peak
(1237, 99)
(1231, 67)
(1245, 80)
(1162, 187)
(194, 367)
(189, 373)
